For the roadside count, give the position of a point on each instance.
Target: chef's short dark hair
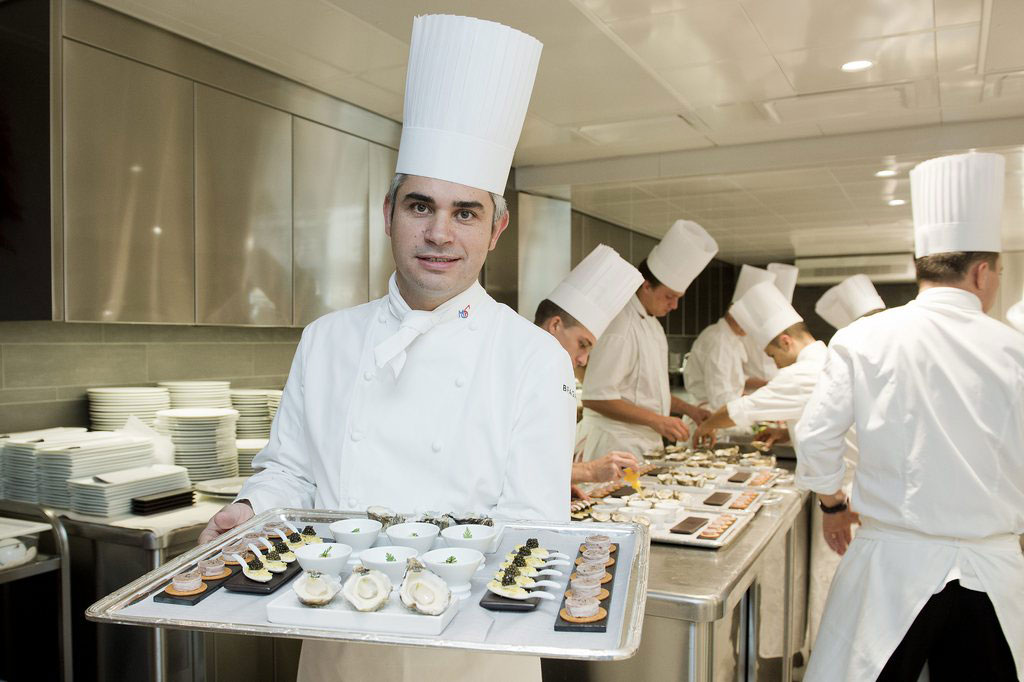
(798, 329)
(948, 268)
(648, 276)
(547, 309)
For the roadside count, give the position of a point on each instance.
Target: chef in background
(627, 404)
(851, 299)
(714, 367)
(759, 368)
(1015, 316)
(434, 396)
(576, 313)
(936, 389)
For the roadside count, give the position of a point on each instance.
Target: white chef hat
(681, 255)
(597, 289)
(764, 313)
(958, 203)
(467, 88)
(1015, 316)
(749, 276)
(849, 300)
(785, 278)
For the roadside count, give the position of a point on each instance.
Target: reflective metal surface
(243, 218)
(331, 260)
(545, 238)
(128, 190)
(382, 264)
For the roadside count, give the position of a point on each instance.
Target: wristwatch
(835, 509)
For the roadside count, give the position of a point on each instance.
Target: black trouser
(958, 634)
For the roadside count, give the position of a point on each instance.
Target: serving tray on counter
(666, 536)
(470, 628)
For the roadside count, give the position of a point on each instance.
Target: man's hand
(609, 467)
(672, 428)
(227, 518)
(698, 414)
(577, 494)
(705, 434)
(837, 529)
(770, 435)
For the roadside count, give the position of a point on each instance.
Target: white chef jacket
(785, 396)
(935, 389)
(481, 418)
(629, 362)
(758, 363)
(714, 370)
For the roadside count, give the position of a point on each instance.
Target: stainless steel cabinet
(331, 262)
(243, 219)
(382, 264)
(127, 190)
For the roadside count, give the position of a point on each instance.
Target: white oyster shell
(423, 591)
(316, 589)
(366, 589)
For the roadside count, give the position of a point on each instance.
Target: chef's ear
(388, 213)
(498, 227)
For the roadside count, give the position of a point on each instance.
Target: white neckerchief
(414, 323)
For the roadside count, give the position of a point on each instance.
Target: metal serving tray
(473, 628)
(667, 537)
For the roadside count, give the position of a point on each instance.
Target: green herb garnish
(467, 534)
(388, 556)
(414, 535)
(355, 530)
(326, 553)
(451, 560)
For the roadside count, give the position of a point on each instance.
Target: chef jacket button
(460, 382)
(436, 446)
(357, 436)
(368, 375)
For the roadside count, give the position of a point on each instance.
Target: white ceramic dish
(359, 534)
(389, 560)
(420, 536)
(481, 538)
(455, 565)
(311, 557)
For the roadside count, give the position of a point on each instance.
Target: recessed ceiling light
(857, 65)
(896, 202)
(886, 173)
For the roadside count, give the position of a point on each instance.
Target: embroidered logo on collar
(464, 313)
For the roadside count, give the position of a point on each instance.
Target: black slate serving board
(211, 587)
(562, 625)
(239, 583)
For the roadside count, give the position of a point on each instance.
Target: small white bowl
(613, 501)
(311, 557)
(457, 573)
(481, 538)
(420, 536)
(659, 517)
(671, 505)
(641, 503)
(358, 534)
(377, 558)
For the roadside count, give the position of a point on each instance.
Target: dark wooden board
(562, 625)
(239, 583)
(211, 586)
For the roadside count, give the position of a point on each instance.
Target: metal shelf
(41, 564)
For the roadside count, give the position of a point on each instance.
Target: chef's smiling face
(440, 235)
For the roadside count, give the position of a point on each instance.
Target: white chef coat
(935, 389)
(758, 363)
(714, 370)
(481, 418)
(629, 362)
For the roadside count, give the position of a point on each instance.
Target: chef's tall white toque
(958, 203)
(849, 300)
(1015, 316)
(749, 276)
(764, 313)
(681, 255)
(467, 88)
(785, 278)
(597, 289)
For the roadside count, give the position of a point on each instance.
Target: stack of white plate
(273, 402)
(60, 462)
(187, 394)
(109, 408)
(253, 415)
(20, 468)
(111, 493)
(204, 440)
(31, 435)
(247, 449)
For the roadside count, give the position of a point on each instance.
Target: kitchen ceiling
(633, 77)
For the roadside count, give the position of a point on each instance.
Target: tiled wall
(46, 366)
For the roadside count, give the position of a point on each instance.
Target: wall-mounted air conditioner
(881, 268)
